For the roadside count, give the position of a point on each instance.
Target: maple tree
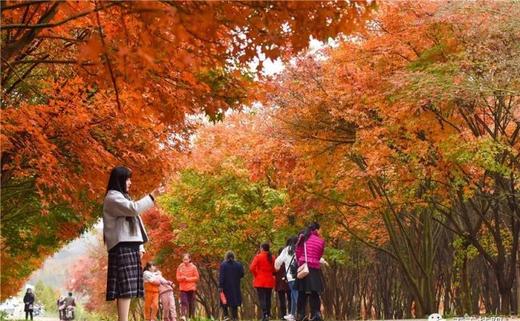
(382, 147)
(414, 133)
(401, 139)
(222, 199)
(87, 85)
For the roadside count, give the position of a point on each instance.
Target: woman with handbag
(230, 274)
(263, 271)
(286, 262)
(28, 301)
(309, 279)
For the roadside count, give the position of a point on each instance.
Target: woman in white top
(287, 258)
(124, 235)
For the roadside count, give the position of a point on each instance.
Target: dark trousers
(188, 303)
(234, 312)
(284, 302)
(27, 314)
(264, 297)
(314, 302)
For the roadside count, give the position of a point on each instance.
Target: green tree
(47, 296)
(222, 210)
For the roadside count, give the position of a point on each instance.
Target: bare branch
(54, 24)
(109, 64)
(21, 5)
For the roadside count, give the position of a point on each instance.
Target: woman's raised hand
(158, 191)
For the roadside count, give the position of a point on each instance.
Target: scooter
(68, 313)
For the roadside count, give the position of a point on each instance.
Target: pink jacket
(315, 247)
(165, 286)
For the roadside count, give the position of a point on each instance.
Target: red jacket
(263, 271)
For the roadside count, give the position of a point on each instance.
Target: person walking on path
(61, 305)
(28, 301)
(124, 234)
(263, 271)
(187, 276)
(309, 250)
(230, 274)
(70, 301)
(169, 310)
(286, 262)
(152, 281)
(69, 304)
(282, 289)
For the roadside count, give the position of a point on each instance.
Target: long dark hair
(28, 293)
(266, 247)
(306, 233)
(291, 244)
(148, 266)
(117, 182)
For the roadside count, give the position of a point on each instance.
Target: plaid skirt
(125, 276)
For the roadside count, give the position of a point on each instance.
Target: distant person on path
(124, 234)
(309, 249)
(187, 276)
(282, 289)
(263, 271)
(167, 298)
(286, 262)
(152, 281)
(69, 303)
(230, 274)
(61, 305)
(28, 301)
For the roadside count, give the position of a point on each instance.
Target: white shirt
(284, 257)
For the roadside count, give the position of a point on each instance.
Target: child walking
(187, 276)
(152, 281)
(167, 298)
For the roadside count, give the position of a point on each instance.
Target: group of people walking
(63, 304)
(295, 274)
(158, 289)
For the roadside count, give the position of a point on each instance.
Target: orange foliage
(372, 123)
(87, 277)
(89, 85)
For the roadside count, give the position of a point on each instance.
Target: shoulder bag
(303, 270)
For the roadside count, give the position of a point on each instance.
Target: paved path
(461, 319)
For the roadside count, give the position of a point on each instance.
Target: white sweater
(284, 257)
(116, 208)
(152, 277)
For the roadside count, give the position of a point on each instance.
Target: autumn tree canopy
(401, 139)
(87, 85)
(412, 134)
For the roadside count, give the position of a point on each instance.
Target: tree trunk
(518, 285)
